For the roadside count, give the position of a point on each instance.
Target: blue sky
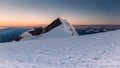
(73, 10)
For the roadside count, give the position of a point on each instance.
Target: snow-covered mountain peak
(58, 28)
(62, 19)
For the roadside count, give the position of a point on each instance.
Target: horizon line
(44, 25)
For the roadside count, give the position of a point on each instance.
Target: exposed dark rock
(54, 24)
(18, 38)
(37, 31)
(40, 30)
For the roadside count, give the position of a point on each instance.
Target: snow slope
(90, 51)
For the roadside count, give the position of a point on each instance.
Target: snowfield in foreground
(90, 51)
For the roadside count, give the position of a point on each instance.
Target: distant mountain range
(91, 29)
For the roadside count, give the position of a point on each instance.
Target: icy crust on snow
(90, 51)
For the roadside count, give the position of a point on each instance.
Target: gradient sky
(37, 12)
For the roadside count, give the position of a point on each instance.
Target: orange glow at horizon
(46, 22)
